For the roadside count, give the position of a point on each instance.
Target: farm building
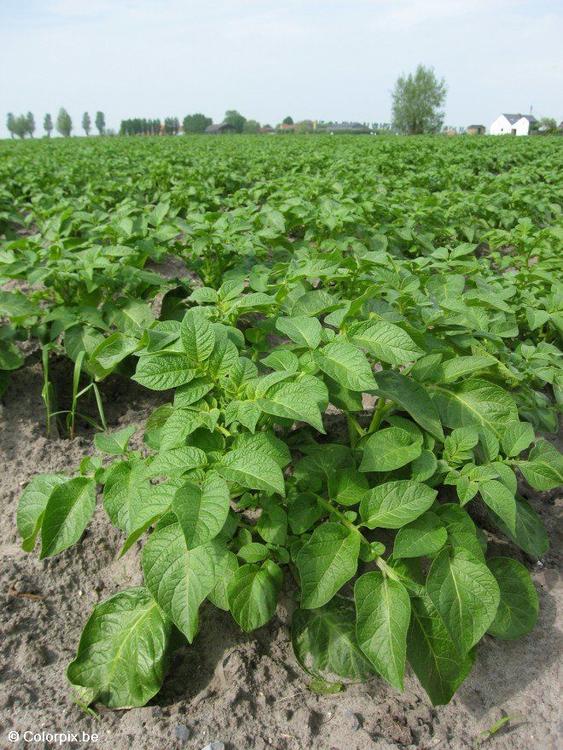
(476, 130)
(220, 128)
(512, 124)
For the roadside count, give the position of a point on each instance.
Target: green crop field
(357, 344)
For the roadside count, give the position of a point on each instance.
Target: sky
(317, 59)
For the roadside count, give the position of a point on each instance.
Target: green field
(358, 340)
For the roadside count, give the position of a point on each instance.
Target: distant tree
(10, 124)
(48, 124)
(100, 122)
(171, 126)
(86, 123)
(234, 118)
(287, 120)
(417, 102)
(305, 126)
(251, 126)
(30, 119)
(21, 126)
(546, 126)
(196, 123)
(64, 122)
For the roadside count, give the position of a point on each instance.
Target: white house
(512, 125)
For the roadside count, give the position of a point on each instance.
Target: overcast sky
(318, 59)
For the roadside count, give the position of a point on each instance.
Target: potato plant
(240, 488)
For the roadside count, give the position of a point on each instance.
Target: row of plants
(357, 364)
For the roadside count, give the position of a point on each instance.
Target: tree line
(417, 108)
(22, 125)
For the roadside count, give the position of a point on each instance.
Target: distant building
(512, 124)
(220, 128)
(344, 127)
(476, 130)
(268, 129)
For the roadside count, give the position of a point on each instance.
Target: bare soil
(245, 691)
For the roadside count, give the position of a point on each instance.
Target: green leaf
(226, 566)
(424, 467)
(282, 359)
(253, 594)
(544, 468)
(425, 536)
(459, 367)
(324, 641)
(347, 486)
(198, 337)
(465, 593)
(325, 562)
(346, 364)
(69, 508)
(264, 442)
(272, 524)
(301, 329)
(163, 370)
(501, 501)
(432, 653)
(179, 579)
(11, 357)
(394, 504)
(476, 402)
(180, 424)
(518, 609)
(294, 401)
(123, 482)
(517, 437)
(412, 397)
(458, 446)
(530, 534)
(386, 341)
(462, 532)
(114, 443)
(246, 412)
(253, 552)
(202, 511)
(122, 651)
(255, 470)
(177, 461)
(194, 391)
(390, 449)
(382, 622)
(303, 512)
(113, 350)
(32, 504)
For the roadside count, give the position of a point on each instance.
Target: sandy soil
(245, 691)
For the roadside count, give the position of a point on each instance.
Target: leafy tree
(21, 126)
(100, 122)
(48, 124)
(196, 123)
(251, 126)
(86, 123)
(10, 124)
(171, 126)
(234, 118)
(305, 126)
(30, 120)
(287, 120)
(64, 122)
(547, 125)
(417, 102)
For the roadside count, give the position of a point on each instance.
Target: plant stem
(377, 416)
